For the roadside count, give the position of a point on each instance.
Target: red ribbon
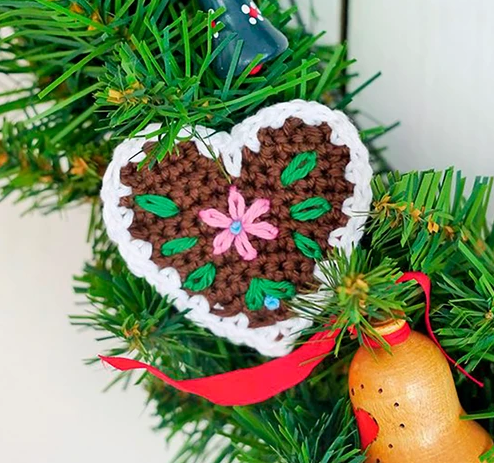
(423, 280)
(393, 339)
(253, 385)
(249, 385)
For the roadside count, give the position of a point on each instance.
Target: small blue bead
(236, 227)
(271, 303)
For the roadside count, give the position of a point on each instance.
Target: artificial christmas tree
(109, 69)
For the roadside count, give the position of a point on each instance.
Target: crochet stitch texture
(303, 159)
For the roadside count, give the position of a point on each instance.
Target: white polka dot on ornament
(253, 11)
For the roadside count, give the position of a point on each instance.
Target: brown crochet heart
(301, 174)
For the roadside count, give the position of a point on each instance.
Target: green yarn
(158, 205)
(259, 288)
(178, 245)
(310, 209)
(281, 290)
(201, 278)
(254, 299)
(307, 247)
(301, 166)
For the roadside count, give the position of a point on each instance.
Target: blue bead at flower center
(271, 303)
(236, 227)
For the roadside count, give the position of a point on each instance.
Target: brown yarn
(195, 183)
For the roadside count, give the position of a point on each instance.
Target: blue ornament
(243, 21)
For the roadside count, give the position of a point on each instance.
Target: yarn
(201, 278)
(178, 245)
(202, 192)
(310, 209)
(260, 288)
(254, 299)
(301, 166)
(255, 155)
(159, 205)
(272, 303)
(239, 225)
(307, 246)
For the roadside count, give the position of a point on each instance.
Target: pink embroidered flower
(239, 225)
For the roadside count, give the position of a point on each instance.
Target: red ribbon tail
(423, 280)
(250, 385)
(254, 385)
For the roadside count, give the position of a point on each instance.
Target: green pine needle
(101, 71)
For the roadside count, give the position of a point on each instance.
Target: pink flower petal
(244, 248)
(215, 218)
(262, 230)
(223, 242)
(236, 204)
(258, 208)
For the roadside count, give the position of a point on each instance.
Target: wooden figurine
(406, 404)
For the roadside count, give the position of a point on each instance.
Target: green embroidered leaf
(301, 166)
(201, 278)
(159, 205)
(254, 299)
(307, 246)
(310, 209)
(259, 288)
(178, 245)
(281, 289)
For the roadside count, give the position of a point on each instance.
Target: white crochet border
(276, 340)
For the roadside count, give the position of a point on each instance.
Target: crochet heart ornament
(231, 226)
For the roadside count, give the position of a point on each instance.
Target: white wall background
(52, 409)
(438, 68)
(437, 62)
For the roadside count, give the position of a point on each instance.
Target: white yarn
(275, 340)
